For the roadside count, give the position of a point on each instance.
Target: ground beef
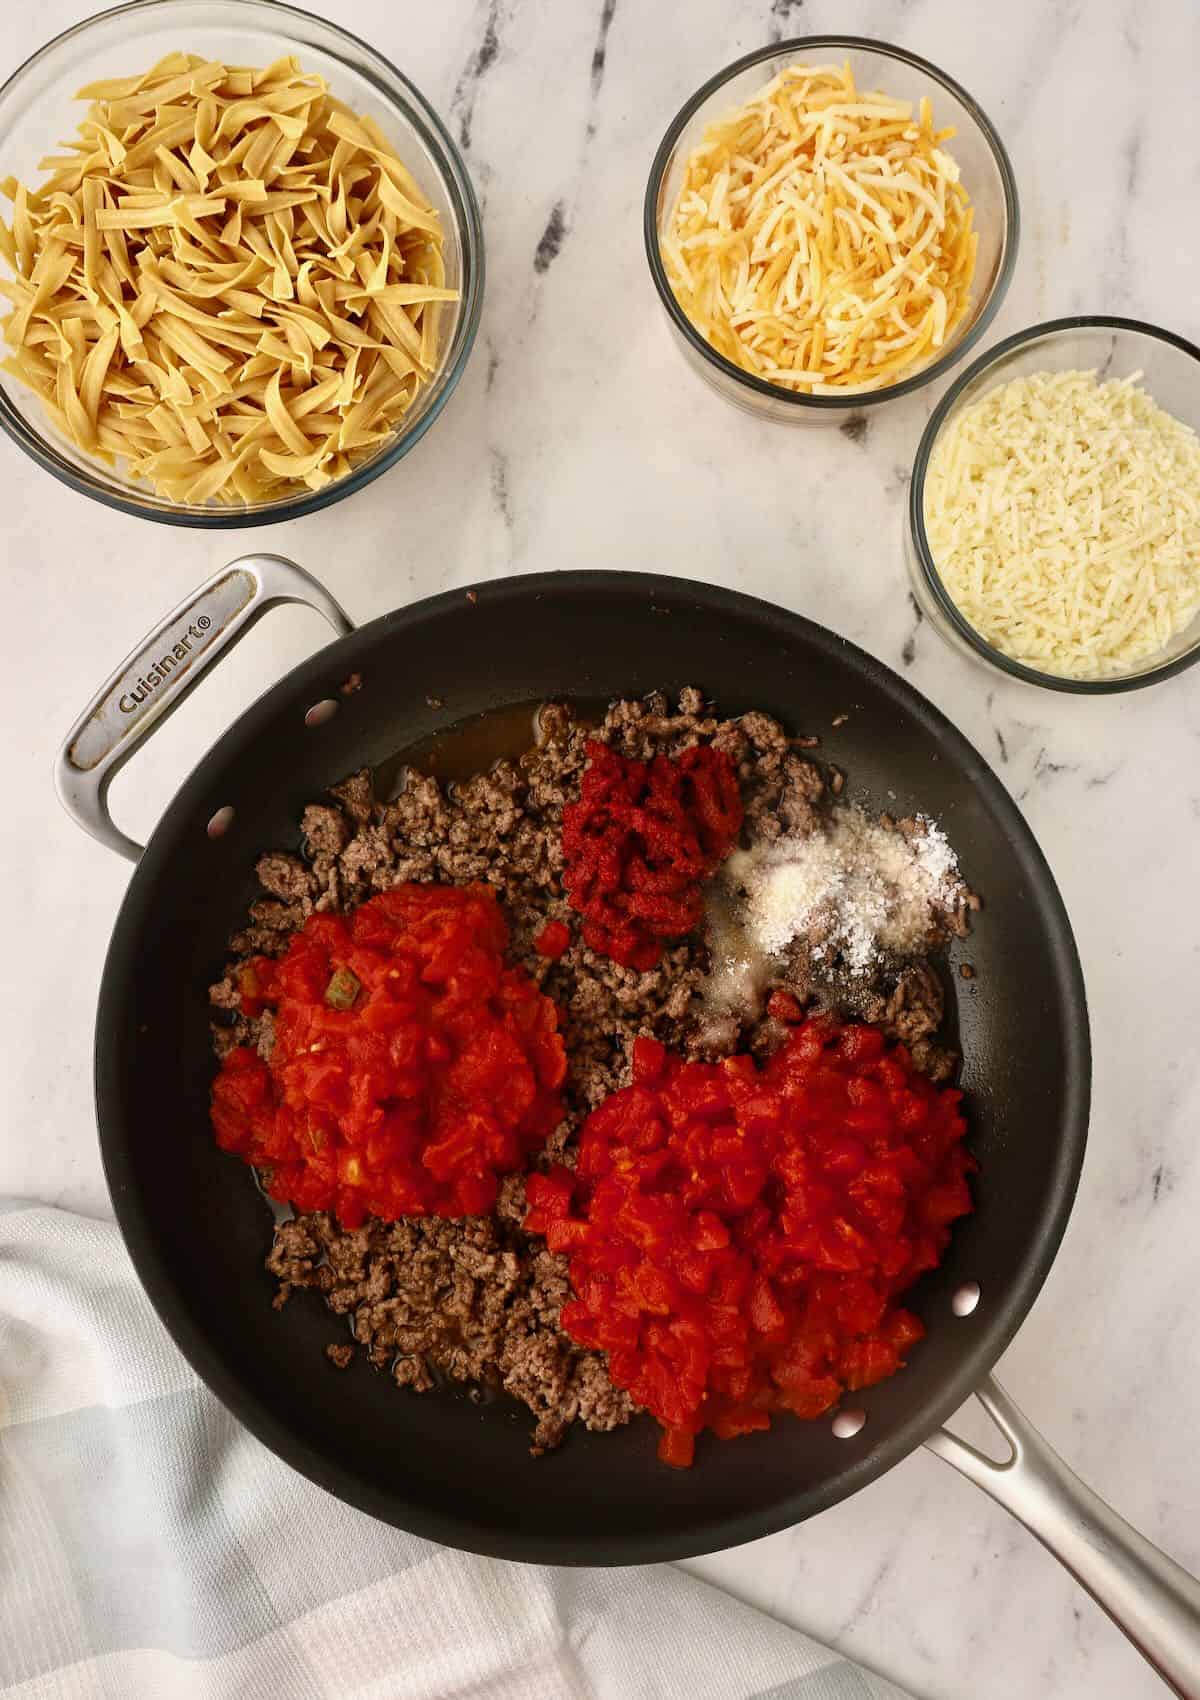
(467, 1301)
(913, 1013)
(357, 796)
(915, 1007)
(285, 877)
(477, 1301)
(326, 830)
(225, 995)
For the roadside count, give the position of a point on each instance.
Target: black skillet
(197, 1230)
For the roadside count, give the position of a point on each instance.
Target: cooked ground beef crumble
(476, 1300)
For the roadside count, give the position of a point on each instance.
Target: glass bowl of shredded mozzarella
(241, 261)
(830, 223)
(1053, 523)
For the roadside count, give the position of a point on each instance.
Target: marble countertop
(578, 438)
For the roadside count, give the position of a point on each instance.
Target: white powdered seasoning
(857, 890)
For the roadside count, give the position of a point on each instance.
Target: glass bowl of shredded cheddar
(1053, 525)
(241, 261)
(830, 223)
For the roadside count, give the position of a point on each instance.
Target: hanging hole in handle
(321, 712)
(849, 1423)
(221, 822)
(965, 1298)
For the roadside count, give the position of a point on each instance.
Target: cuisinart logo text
(162, 669)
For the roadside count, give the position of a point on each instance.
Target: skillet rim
(978, 1356)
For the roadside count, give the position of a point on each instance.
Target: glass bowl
(986, 174)
(38, 109)
(1114, 348)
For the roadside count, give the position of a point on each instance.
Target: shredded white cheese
(822, 239)
(1063, 515)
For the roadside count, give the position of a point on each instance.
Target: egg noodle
(229, 281)
(822, 240)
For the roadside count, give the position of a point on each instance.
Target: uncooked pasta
(229, 283)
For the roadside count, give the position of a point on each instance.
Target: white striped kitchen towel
(151, 1549)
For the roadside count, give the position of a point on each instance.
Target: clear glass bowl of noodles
(38, 111)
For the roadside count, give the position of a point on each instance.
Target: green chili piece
(342, 989)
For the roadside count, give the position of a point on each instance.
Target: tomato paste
(410, 1067)
(639, 842)
(737, 1235)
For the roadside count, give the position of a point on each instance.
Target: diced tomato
(649, 1059)
(864, 1362)
(553, 939)
(737, 1235)
(767, 1315)
(549, 1196)
(729, 1424)
(411, 1097)
(567, 1233)
(782, 1006)
(677, 1447)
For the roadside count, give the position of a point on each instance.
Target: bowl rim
(930, 577)
(420, 114)
(950, 356)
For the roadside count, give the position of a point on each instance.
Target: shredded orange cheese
(822, 239)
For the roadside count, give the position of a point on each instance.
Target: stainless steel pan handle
(152, 681)
(1148, 1596)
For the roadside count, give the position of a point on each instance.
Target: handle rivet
(321, 711)
(221, 822)
(849, 1423)
(965, 1298)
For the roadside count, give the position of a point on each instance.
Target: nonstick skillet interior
(441, 1465)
